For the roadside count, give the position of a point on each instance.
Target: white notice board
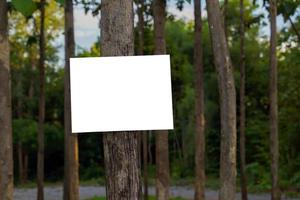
(121, 93)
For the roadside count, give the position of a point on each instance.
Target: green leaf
(26, 7)
(61, 2)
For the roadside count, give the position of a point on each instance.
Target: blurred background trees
(179, 36)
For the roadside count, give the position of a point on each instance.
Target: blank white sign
(121, 93)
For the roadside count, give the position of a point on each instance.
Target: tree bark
(71, 167)
(161, 137)
(6, 149)
(199, 105)
(242, 104)
(274, 149)
(41, 145)
(20, 162)
(227, 102)
(121, 156)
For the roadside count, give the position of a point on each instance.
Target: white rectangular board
(121, 93)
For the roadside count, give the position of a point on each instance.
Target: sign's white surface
(121, 93)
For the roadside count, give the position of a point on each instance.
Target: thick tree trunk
(161, 137)
(121, 156)
(227, 102)
(6, 149)
(274, 149)
(71, 166)
(41, 145)
(242, 105)
(199, 105)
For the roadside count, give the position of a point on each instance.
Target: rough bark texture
(71, 166)
(161, 137)
(242, 105)
(6, 151)
(121, 156)
(227, 102)
(41, 145)
(121, 165)
(199, 105)
(274, 149)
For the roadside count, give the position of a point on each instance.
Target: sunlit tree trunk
(41, 144)
(274, 149)
(242, 104)
(71, 166)
(6, 148)
(121, 155)
(161, 137)
(199, 105)
(227, 102)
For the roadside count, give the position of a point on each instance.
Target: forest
(235, 69)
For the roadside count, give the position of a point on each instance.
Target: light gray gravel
(55, 193)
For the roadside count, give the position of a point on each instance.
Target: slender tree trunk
(161, 137)
(6, 148)
(71, 167)
(121, 156)
(141, 22)
(25, 165)
(199, 105)
(242, 104)
(20, 162)
(41, 145)
(274, 149)
(227, 102)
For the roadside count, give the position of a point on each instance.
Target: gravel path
(55, 193)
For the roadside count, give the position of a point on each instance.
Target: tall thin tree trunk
(25, 165)
(161, 137)
(227, 102)
(242, 104)
(41, 145)
(274, 149)
(71, 166)
(121, 156)
(6, 148)
(199, 105)
(20, 162)
(141, 24)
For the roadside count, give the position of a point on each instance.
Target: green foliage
(258, 176)
(26, 7)
(25, 132)
(61, 2)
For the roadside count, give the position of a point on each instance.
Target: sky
(87, 26)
